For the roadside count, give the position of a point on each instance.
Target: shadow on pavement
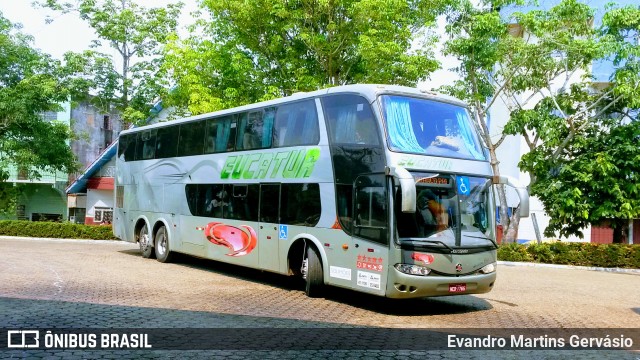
(406, 307)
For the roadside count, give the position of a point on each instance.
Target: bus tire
(163, 252)
(314, 277)
(144, 241)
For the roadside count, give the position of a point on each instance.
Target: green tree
(585, 162)
(29, 85)
(244, 51)
(137, 34)
(599, 185)
(534, 63)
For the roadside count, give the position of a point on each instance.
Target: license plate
(457, 288)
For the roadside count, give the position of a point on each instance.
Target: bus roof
(369, 91)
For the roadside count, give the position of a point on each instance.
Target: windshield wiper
(433, 242)
(483, 237)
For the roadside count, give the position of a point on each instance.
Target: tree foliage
(537, 64)
(599, 185)
(29, 85)
(244, 51)
(138, 35)
(584, 163)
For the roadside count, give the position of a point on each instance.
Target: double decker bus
(381, 189)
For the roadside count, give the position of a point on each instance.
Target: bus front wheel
(163, 253)
(312, 273)
(144, 240)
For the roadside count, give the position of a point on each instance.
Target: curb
(557, 266)
(23, 238)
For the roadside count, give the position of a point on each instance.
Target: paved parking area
(78, 284)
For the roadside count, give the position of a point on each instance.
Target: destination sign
(434, 180)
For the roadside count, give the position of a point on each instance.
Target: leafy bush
(514, 252)
(55, 230)
(579, 254)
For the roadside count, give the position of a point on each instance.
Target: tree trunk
(511, 234)
(502, 199)
(504, 214)
(502, 195)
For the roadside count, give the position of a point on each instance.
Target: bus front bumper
(404, 286)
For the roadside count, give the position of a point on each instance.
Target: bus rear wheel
(163, 253)
(312, 273)
(144, 240)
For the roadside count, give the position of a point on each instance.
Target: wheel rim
(144, 239)
(162, 243)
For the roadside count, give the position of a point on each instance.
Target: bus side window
(191, 138)
(220, 134)
(297, 124)
(242, 202)
(265, 134)
(191, 191)
(127, 146)
(269, 203)
(300, 204)
(211, 200)
(344, 193)
(350, 120)
(146, 145)
(281, 126)
(371, 208)
(255, 129)
(167, 142)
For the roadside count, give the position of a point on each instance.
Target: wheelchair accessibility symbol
(283, 233)
(463, 185)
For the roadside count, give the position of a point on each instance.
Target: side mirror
(407, 188)
(522, 191)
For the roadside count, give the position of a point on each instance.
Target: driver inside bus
(432, 215)
(426, 219)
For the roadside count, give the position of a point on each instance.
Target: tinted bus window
(269, 203)
(167, 142)
(254, 130)
(300, 204)
(296, 124)
(344, 198)
(206, 199)
(350, 120)
(123, 143)
(146, 145)
(211, 200)
(371, 208)
(130, 147)
(242, 202)
(191, 191)
(220, 134)
(191, 138)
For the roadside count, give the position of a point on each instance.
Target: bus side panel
(123, 226)
(352, 263)
(370, 261)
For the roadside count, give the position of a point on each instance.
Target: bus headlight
(413, 269)
(488, 269)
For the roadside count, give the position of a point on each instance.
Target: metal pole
(535, 227)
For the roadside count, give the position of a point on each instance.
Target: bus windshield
(441, 209)
(428, 127)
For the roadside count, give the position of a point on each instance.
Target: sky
(68, 33)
